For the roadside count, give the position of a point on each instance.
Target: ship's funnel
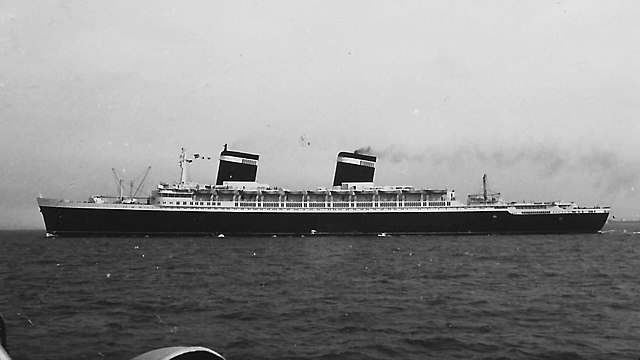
(354, 167)
(237, 166)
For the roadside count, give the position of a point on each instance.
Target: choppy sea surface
(411, 297)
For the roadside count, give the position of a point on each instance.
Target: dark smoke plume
(391, 153)
(607, 169)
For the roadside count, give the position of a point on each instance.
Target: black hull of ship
(83, 221)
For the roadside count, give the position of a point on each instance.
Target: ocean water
(411, 297)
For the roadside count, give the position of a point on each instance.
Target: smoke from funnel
(606, 168)
(391, 153)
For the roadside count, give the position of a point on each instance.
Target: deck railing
(306, 204)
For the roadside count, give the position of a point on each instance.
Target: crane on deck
(120, 184)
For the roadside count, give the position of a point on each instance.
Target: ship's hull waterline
(144, 220)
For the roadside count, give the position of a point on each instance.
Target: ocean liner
(238, 205)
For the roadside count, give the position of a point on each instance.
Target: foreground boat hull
(68, 220)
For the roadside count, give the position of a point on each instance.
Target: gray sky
(543, 96)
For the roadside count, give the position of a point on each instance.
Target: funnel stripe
(349, 160)
(239, 160)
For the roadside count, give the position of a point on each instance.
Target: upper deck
(367, 198)
(337, 197)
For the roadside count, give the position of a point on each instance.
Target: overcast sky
(543, 96)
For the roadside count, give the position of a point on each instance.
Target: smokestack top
(356, 155)
(239, 154)
(237, 166)
(354, 168)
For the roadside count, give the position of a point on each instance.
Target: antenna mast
(484, 187)
(184, 176)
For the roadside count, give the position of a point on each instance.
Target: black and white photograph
(420, 179)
